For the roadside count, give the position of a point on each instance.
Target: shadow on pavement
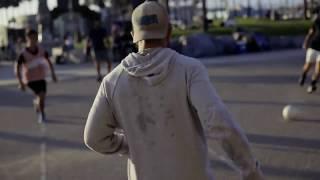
(255, 79)
(37, 140)
(14, 98)
(70, 98)
(274, 171)
(69, 117)
(272, 103)
(55, 121)
(257, 63)
(290, 172)
(285, 141)
(307, 120)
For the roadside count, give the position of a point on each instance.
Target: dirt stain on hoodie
(144, 121)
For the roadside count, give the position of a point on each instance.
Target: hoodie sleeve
(218, 123)
(100, 133)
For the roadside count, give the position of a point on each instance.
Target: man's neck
(32, 49)
(32, 46)
(149, 45)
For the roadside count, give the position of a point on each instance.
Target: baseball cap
(150, 20)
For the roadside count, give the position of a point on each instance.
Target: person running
(312, 44)
(159, 108)
(99, 52)
(33, 62)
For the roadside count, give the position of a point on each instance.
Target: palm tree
(204, 16)
(305, 9)
(205, 26)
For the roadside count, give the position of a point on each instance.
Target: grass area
(276, 28)
(268, 27)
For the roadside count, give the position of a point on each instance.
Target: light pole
(249, 8)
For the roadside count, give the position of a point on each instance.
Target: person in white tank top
(31, 68)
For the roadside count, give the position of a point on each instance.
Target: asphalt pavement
(255, 88)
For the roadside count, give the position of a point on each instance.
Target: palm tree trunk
(204, 18)
(305, 9)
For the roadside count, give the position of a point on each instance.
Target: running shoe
(41, 117)
(302, 80)
(311, 89)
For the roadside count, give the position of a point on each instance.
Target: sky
(254, 3)
(213, 3)
(264, 3)
(30, 7)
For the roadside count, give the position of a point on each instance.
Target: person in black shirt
(312, 44)
(99, 52)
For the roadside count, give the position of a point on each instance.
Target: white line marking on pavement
(43, 150)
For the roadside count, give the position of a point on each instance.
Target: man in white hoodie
(159, 108)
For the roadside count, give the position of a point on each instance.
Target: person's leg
(317, 72)
(36, 103)
(315, 78)
(41, 96)
(306, 68)
(310, 59)
(105, 56)
(39, 103)
(94, 56)
(98, 67)
(36, 89)
(109, 65)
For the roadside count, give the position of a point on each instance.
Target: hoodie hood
(152, 65)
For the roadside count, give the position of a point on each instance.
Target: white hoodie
(166, 107)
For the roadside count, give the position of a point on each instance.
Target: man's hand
(22, 87)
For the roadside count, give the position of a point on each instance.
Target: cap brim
(145, 35)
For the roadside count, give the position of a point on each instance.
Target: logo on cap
(148, 20)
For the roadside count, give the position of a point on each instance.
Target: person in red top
(31, 69)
